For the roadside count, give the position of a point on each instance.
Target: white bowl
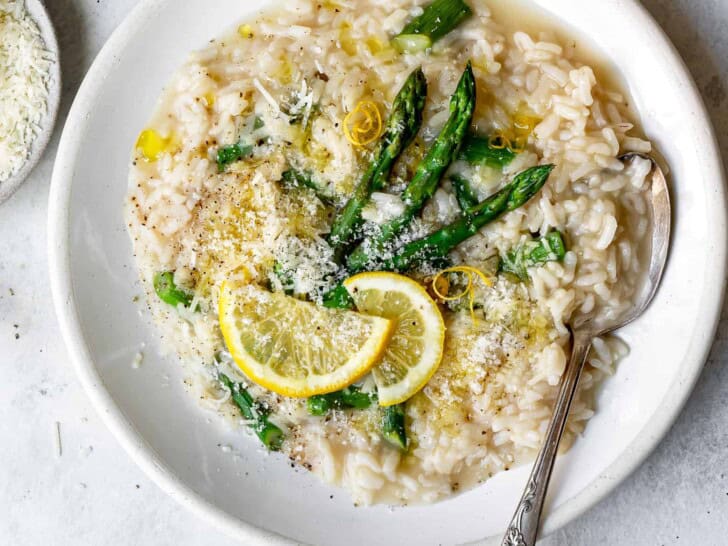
(258, 497)
(37, 11)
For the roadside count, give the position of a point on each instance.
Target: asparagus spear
(393, 426)
(271, 436)
(298, 179)
(338, 298)
(348, 398)
(463, 193)
(402, 126)
(231, 154)
(478, 150)
(428, 174)
(437, 20)
(549, 248)
(393, 418)
(168, 292)
(438, 244)
(442, 241)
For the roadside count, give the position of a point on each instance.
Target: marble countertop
(65, 480)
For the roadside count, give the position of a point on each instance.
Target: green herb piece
(168, 292)
(549, 248)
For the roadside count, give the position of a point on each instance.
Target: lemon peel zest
(471, 273)
(363, 125)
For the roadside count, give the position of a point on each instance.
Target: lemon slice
(297, 348)
(415, 350)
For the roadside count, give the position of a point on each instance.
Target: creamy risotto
(372, 267)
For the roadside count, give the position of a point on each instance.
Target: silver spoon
(523, 528)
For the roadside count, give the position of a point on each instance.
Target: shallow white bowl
(37, 11)
(258, 497)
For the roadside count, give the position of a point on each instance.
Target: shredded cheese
(24, 77)
(267, 96)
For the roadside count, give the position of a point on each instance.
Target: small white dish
(38, 12)
(258, 497)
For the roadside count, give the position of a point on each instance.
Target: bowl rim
(38, 12)
(155, 468)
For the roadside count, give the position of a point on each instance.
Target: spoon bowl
(523, 528)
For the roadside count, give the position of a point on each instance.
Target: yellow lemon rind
(356, 367)
(433, 323)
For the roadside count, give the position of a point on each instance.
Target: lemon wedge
(415, 350)
(296, 348)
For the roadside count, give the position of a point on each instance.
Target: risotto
(365, 226)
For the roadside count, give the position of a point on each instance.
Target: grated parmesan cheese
(266, 95)
(24, 76)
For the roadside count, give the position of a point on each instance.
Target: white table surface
(93, 494)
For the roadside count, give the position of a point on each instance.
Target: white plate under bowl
(260, 498)
(38, 13)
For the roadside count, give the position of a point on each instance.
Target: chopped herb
(550, 248)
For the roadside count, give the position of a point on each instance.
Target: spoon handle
(523, 528)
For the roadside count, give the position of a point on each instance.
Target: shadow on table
(707, 61)
(72, 41)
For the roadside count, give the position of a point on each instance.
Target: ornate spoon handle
(523, 529)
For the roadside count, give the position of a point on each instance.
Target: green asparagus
(393, 426)
(442, 241)
(284, 277)
(438, 244)
(464, 193)
(437, 20)
(402, 126)
(477, 150)
(549, 248)
(338, 298)
(270, 434)
(350, 397)
(231, 154)
(299, 179)
(168, 292)
(427, 176)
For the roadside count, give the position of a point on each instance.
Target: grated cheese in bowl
(24, 77)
